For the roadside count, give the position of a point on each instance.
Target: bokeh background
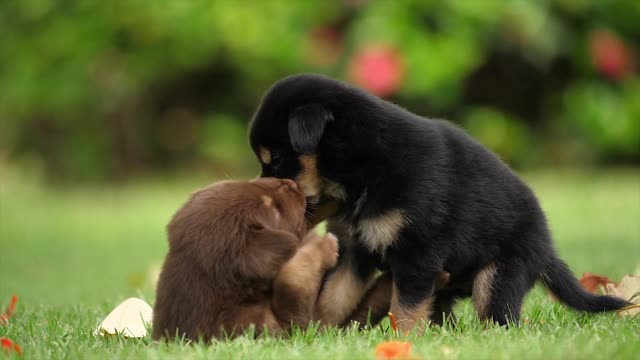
(111, 112)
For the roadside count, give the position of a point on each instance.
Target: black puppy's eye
(276, 161)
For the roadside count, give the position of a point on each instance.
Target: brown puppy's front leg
(296, 287)
(344, 288)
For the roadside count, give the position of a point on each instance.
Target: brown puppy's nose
(292, 184)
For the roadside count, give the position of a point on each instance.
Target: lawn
(71, 255)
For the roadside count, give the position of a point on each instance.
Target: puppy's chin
(319, 209)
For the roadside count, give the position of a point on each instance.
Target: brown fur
(236, 259)
(265, 155)
(482, 289)
(308, 178)
(339, 296)
(376, 303)
(409, 316)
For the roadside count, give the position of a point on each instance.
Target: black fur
(465, 208)
(306, 126)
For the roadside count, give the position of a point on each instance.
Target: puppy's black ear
(306, 126)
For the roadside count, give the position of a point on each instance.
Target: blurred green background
(111, 112)
(107, 90)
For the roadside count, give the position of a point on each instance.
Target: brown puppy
(236, 258)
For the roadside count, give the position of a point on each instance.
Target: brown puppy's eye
(256, 226)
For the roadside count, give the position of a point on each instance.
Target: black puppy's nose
(291, 184)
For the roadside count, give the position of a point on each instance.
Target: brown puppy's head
(240, 231)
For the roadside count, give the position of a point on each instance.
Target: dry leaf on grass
(628, 289)
(594, 283)
(130, 319)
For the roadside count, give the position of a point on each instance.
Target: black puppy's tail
(558, 278)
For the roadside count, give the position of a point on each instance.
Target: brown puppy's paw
(327, 247)
(311, 237)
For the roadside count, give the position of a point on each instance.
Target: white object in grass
(129, 319)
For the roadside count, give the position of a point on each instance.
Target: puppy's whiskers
(310, 209)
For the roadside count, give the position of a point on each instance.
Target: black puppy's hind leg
(443, 309)
(498, 291)
(412, 291)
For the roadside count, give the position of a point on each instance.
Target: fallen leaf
(394, 323)
(4, 317)
(632, 310)
(130, 319)
(594, 283)
(393, 350)
(628, 289)
(9, 346)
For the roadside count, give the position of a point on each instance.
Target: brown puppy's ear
(267, 250)
(306, 126)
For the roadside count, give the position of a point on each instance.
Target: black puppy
(416, 196)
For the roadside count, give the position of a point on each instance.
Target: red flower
(609, 54)
(9, 346)
(378, 68)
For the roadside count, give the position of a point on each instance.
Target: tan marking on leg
(408, 317)
(442, 279)
(340, 296)
(308, 179)
(482, 289)
(265, 155)
(381, 232)
(375, 303)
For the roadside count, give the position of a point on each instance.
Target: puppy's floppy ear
(267, 250)
(306, 126)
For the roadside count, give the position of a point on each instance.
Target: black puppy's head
(291, 130)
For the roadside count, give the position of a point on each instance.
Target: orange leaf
(4, 318)
(9, 346)
(594, 283)
(393, 350)
(394, 323)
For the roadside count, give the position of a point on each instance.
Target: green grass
(71, 255)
